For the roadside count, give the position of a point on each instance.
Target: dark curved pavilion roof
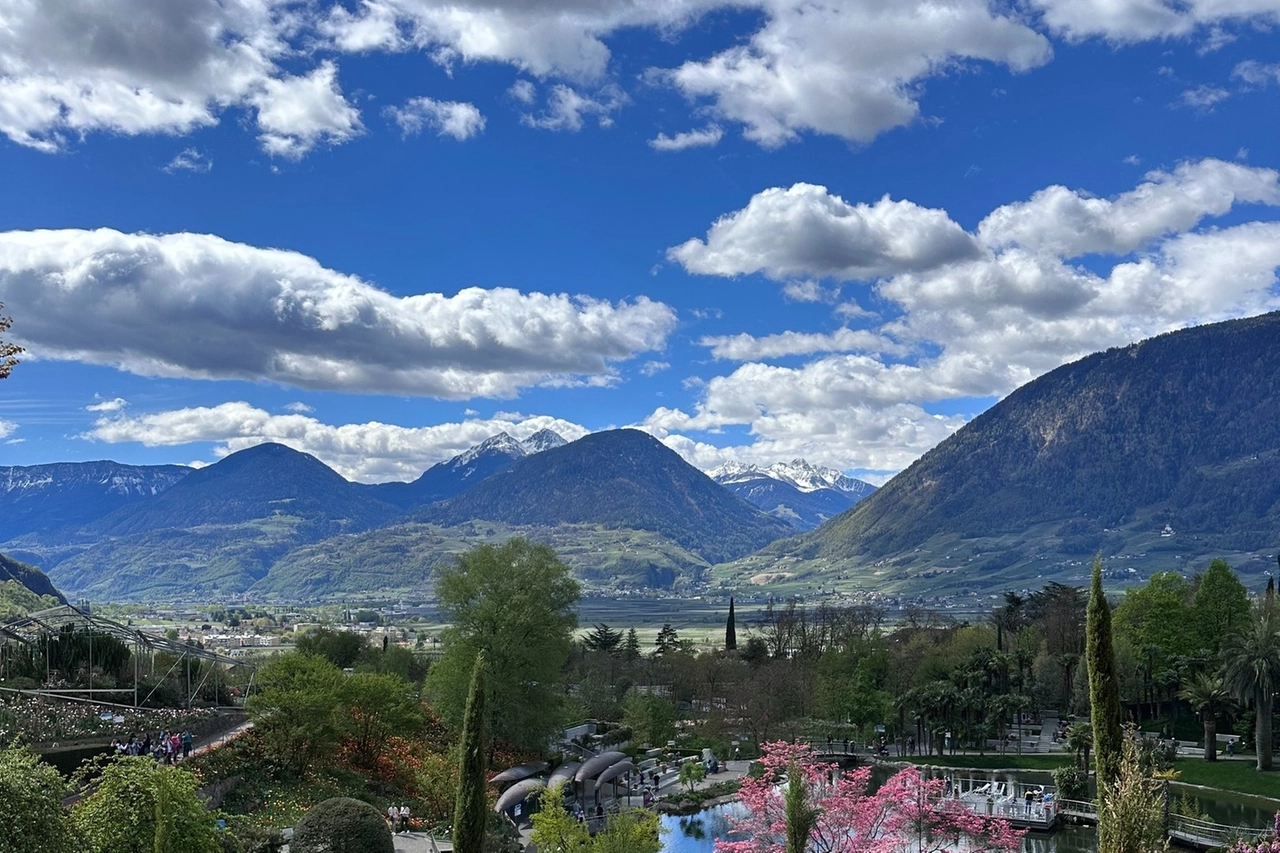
(564, 773)
(520, 771)
(620, 769)
(596, 765)
(517, 793)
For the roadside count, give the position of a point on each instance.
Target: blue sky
(381, 231)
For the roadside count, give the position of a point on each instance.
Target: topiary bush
(342, 825)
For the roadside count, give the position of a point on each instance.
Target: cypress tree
(730, 630)
(1104, 689)
(471, 808)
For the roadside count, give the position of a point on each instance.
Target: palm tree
(1080, 741)
(1252, 674)
(1208, 697)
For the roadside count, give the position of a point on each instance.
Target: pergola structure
(35, 629)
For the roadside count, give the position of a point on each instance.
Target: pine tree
(730, 630)
(1104, 695)
(471, 808)
(668, 640)
(602, 638)
(631, 647)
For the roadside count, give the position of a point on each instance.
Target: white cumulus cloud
(1141, 20)
(707, 137)
(194, 305)
(805, 230)
(189, 160)
(367, 452)
(567, 108)
(850, 69)
(135, 67)
(112, 405)
(447, 118)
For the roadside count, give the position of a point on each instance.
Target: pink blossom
(908, 814)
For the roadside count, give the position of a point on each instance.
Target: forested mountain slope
(617, 479)
(1179, 435)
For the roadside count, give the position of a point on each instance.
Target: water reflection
(698, 833)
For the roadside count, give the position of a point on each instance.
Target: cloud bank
(197, 306)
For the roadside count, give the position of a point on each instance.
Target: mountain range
(71, 494)
(451, 478)
(1158, 455)
(275, 521)
(800, 494)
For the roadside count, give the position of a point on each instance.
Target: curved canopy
(520, 771)
(622, 768)
(517, 794)
(563, 773)
(597, 764)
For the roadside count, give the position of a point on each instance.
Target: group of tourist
(167, 747)
(398, 817)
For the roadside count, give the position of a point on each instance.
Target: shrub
(342, 825)
(1071, 782)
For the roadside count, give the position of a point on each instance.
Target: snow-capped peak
(811, 478)
(500, 443)
(543, 439)
(736, 472)
(797, 472)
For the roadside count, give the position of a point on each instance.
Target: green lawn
(1237, 776)
(996, 761)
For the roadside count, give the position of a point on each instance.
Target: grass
(996, 761)
(1236, 776)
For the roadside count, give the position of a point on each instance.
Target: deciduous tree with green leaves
(514, 602)
(557, 831)
(1220, 606)
(297, 709)
(31, 794)
(376, 706)
(139, 806)
(691, 773)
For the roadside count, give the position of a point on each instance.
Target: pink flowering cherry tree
(908, 814)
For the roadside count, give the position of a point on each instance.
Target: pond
(698, 833)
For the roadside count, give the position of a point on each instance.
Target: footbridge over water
(1181, 830)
